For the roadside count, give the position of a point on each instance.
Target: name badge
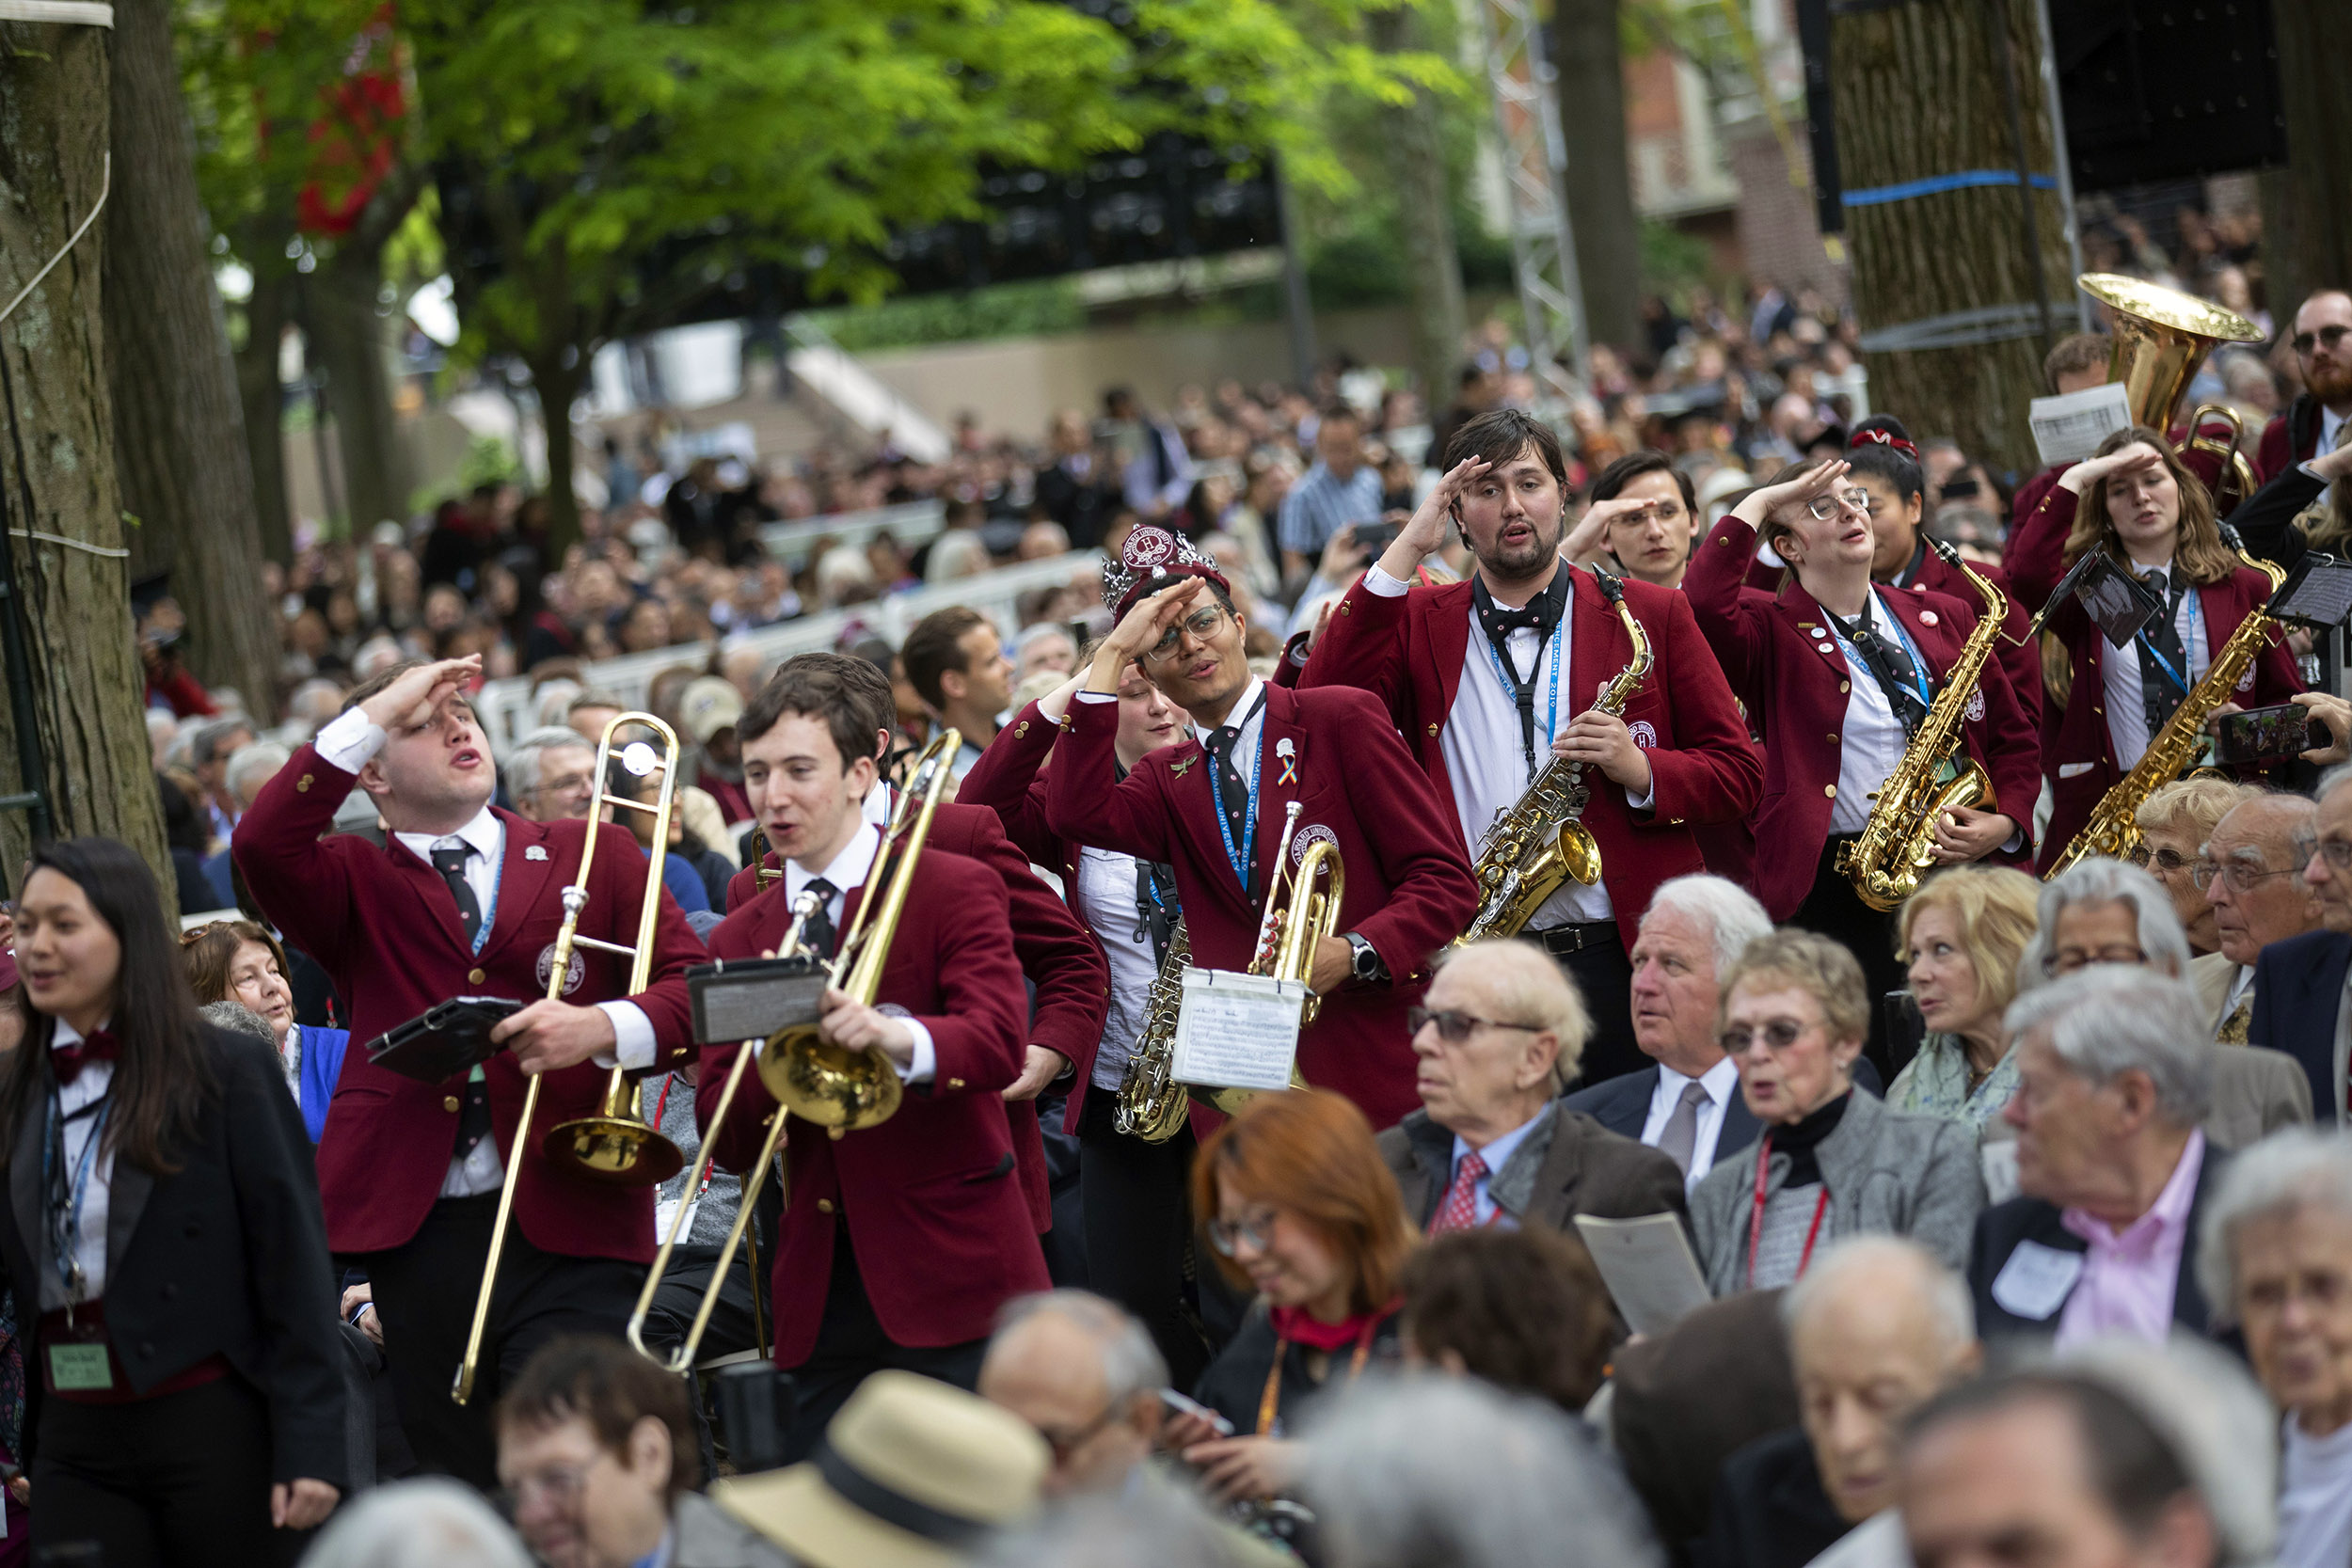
(2035, 1280)
(79, 1368)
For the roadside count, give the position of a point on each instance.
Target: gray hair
(263, 757)
(1884, 1264)
(1526, 987)
(552, 700)
(2106, 882)
(430, 1521)
(530, 755)
(2339, 774)
(2294, 1168)
(1132, 1364)
(206, 741)
(2111, 1019)
(1153, 1524)
(375, 656)
(2270, 819)
(1730, 911)
(238, 1019)
(1438, 1469)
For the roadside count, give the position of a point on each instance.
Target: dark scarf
(1803, 1141)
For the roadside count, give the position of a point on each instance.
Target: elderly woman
(1962, 935)
(2174, 821)
(2275, 1256)
(2102, 911)
(1831, 1162)
(236, 960)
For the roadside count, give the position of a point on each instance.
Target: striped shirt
(1322, 503)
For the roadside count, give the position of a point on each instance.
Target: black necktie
(819, 936)
(2157, 687)
(1231, 791)
(451, 863)
(1540, 615)
(1890, 664)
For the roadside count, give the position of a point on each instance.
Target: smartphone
(1376, 537)
(1180, 1406)
(2261, 734)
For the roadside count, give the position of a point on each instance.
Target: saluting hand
(1140, 630)
(853, 1026)
(1587, 542)
(412, 698)
(1763, 504)
(548, 1035)
(1424, 531)
(2131, 459)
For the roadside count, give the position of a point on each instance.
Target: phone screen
(2261, 733)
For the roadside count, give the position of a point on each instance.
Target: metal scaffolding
(1534, 157)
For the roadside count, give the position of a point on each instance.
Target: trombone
(611, 1146)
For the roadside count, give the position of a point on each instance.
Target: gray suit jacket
(711, 1537)
(2212, 974)
(2256, 1091)
(1568, 1165)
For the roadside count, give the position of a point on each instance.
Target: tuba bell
(2162, 338)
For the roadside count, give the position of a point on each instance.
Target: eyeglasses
(2332, 337)
(1227, 1235)
(560, 1487)
(2166, 863)
(2068, 959)
(1825, 507)
(1455, 1026)
(1064, 1444)
(2241, 879)
(2338, 850)
(571, 784)
(1200, 623)
(1779, 1034)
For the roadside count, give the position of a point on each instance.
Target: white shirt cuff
(1386, 586)
(350, 742)
(632, 1036)
(1647, 799)
(2016, 841)
(1098, 696)
(926, 1059)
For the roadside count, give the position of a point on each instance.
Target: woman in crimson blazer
(1787, 656)
(2136, 500)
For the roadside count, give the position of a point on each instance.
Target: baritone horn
(612, 1146)
(2162, 338)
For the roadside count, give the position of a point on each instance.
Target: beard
(1513, 562)
(2330, 385)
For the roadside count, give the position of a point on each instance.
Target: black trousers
(1139, 1234)
(730, 1328)
(181, 1481)
(424, 1292)
(1604, 978)
(851, 1347)
(1833, 909)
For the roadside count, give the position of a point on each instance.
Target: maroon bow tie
(99, 1045)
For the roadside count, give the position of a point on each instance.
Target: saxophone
(1542, 841)
(1152, 1104)
(1897, 843)
(2113, 830)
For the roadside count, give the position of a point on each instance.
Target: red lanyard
(1756, 1216)
(1271, 1400)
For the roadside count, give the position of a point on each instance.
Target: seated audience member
(695, 874)
(2174, 821)
(2275, 1256)
(1878, 1328)
(1501, 1029)
(1962, 934)
(2114, 1077)
(1300, 1210)
(1524, 1310)
(1148, 1524)
(913, 1473)
(1084, 1373)
(2300, 999)
(596, 1449)
(551, 775)
(430, 1521)
(236, 960)
(1422, 1471)
(2248, 869)
(248, 768)
(1834, 1163)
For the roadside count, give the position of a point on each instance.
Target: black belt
(1576, 936)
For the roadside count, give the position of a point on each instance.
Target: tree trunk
(1589, 57)
(179, 430)
(261, 398)
(1433, 269)
(349, 337)
(57, 459)
(1919, 95)
(2316, 244)
(557, 385)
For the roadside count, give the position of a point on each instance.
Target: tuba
(1897, 847)
(2162, 337)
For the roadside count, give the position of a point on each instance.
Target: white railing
(834, 373)
(912, 524)
(504, 706)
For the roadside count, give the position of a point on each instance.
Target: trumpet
(1287, 934)
(609, 1146)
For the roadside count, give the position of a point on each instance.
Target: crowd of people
(1677, 905)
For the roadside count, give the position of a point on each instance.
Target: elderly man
(1875, 1328)
(1500, 1029)
(551, 775)
(1088, 1377)
(247, 769)
(2247, 868)
(209, 749)
(2301, 1001)
(2113, 1077)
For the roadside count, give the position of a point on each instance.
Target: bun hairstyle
(1882, 448)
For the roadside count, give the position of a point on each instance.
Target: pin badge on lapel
(1180, 769)
(533, 852)
(1287, 754)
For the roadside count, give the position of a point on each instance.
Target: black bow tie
(1529, 619)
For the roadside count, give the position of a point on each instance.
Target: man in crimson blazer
(2322, 339)
(465, 900)
(900, 1241)
(1059, 957)
(1678, 754)
(1334, 752)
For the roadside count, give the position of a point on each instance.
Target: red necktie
(1459, 1212)
(67, 1061)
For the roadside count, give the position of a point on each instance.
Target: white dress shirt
(1106, 897)
(1494, 1154)
(846, 870)
(1251, 715)
(1720, 1081)
(89, 1239)
(1872, 740)
(2119, 677)
(1485, 753)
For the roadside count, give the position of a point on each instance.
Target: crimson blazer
(2080, 759)
(936, 1215)
(1057, 954)
(1408, 652)
(1410, 889)
(1796, 686)
(384, 926)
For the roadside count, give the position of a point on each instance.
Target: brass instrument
(1287, 934)
(1152, 1105)
(1542, 841)
(611, 1146)
(842, 1090)
(2162, 337)
(764, 874)
(682, 1360)
(1897, 848)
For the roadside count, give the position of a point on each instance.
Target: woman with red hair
(1302, 1210)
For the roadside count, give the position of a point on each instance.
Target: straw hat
(911, 1474)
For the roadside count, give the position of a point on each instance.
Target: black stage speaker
(2166, 89)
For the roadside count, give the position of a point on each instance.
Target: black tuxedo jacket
(1622, 1105)
(2298, 984)
(227, 1258)
(2000, 1228)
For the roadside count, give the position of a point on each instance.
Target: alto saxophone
(1542, 841)
(1898, 845)
(2114, 827)
(1152, 1104)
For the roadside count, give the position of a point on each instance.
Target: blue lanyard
(66, 1224)
(1240, 863)
(1511, 684)
(2178, 678)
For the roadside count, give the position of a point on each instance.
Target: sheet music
(1236, 1031)
(1647, 1265)
(2069, 427)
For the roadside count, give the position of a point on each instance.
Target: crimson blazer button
(1830, 790)
(450, 1103)
(474, 976)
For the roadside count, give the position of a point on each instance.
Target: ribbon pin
(1287, 754)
